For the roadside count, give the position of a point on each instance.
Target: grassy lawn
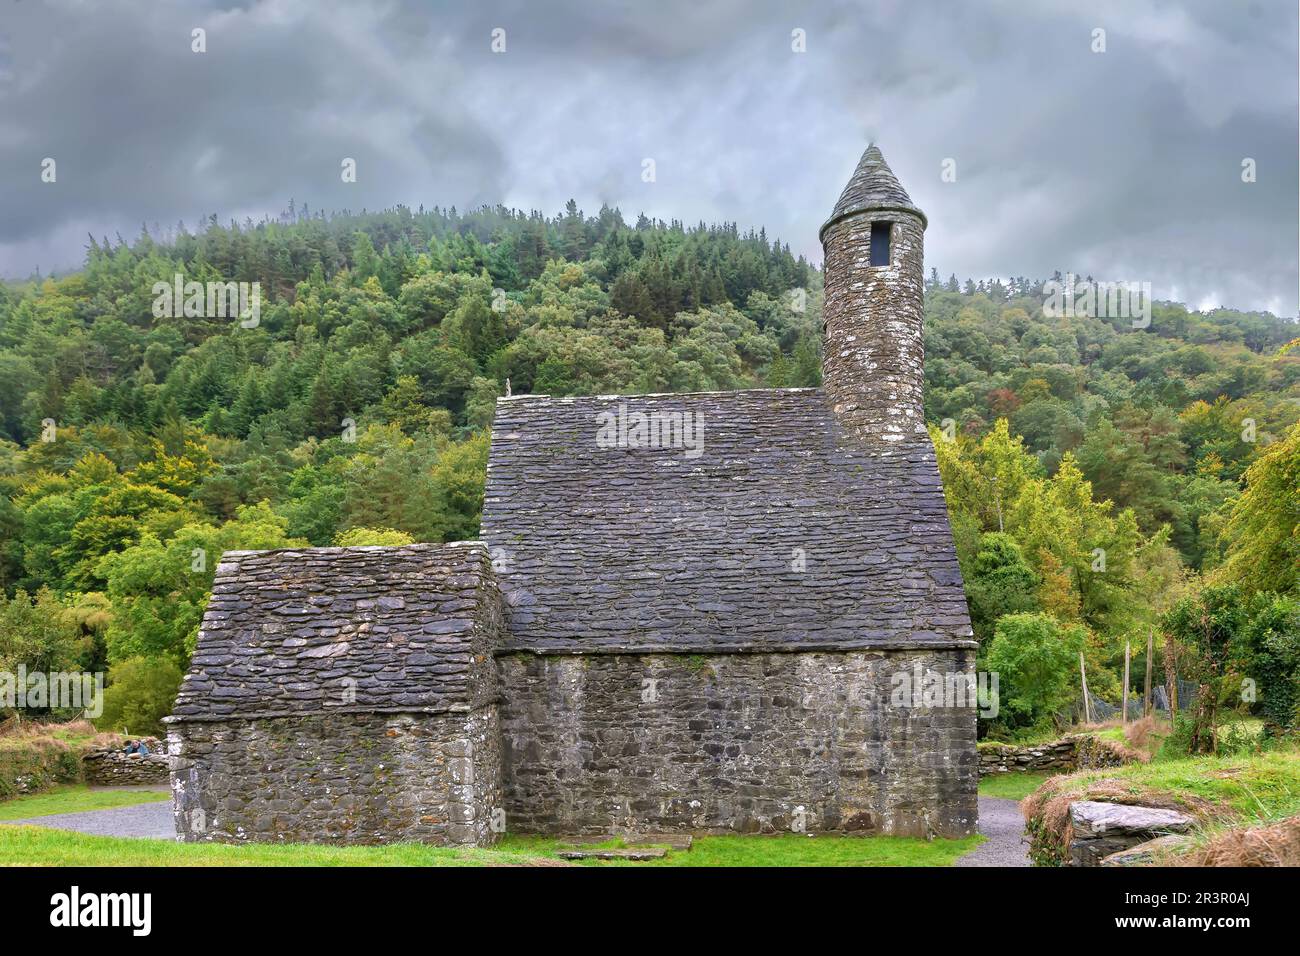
(36, 846)
(787, 849)
(1011, 786)
(75, 798)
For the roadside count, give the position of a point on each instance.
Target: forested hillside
(135, 449)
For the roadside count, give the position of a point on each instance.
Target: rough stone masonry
(707, 637)
(342, 695)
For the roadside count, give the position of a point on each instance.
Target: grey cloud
(1124, 164)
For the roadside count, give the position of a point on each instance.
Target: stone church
(688, 611)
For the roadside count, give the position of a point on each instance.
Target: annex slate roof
(318, 630)
(785, 532)
(873, 185)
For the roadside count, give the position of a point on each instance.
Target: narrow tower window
(880, 243)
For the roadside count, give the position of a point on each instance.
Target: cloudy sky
(1126, 164)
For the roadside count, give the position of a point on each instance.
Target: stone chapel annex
(688, 611)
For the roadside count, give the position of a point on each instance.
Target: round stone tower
(872, 358)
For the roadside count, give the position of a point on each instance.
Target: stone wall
(357, 778)
(113, 768)
(743, 742)
(1055, 757)
(1075, 752)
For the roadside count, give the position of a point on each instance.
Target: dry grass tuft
(17, 728)
(1277, 844)
(1139, 733)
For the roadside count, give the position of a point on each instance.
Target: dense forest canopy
(135, 448)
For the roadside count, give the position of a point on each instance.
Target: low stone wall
(113, 768)
(356, 778)
(1075, 752)
(1056, 757)
(734, 742)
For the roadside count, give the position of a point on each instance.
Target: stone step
(631, 853)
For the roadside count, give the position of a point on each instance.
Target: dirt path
(1001, 822)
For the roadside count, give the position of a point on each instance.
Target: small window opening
(880, 243)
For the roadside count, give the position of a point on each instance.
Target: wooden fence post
(1123, 705)
(1146, 694)
(1171, 675)
(1083, 679)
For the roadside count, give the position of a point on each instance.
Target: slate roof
(608, 549)
(873, 185)
(288, 631)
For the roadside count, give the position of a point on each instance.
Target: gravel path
(1001, 822)
(141, 820)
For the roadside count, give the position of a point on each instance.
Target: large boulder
(1099, 829)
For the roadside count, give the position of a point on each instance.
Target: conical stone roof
(873, 186)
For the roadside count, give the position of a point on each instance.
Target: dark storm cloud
(1124, 164)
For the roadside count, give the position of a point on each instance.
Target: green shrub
(1238, 738)
(1035, 658)
(1273, 636)
(1179, 742)
(140, 694)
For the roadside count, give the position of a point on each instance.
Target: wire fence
(1104, 710)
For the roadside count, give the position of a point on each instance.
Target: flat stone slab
(1145, 853)
(638, 853)
(1091, 818)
